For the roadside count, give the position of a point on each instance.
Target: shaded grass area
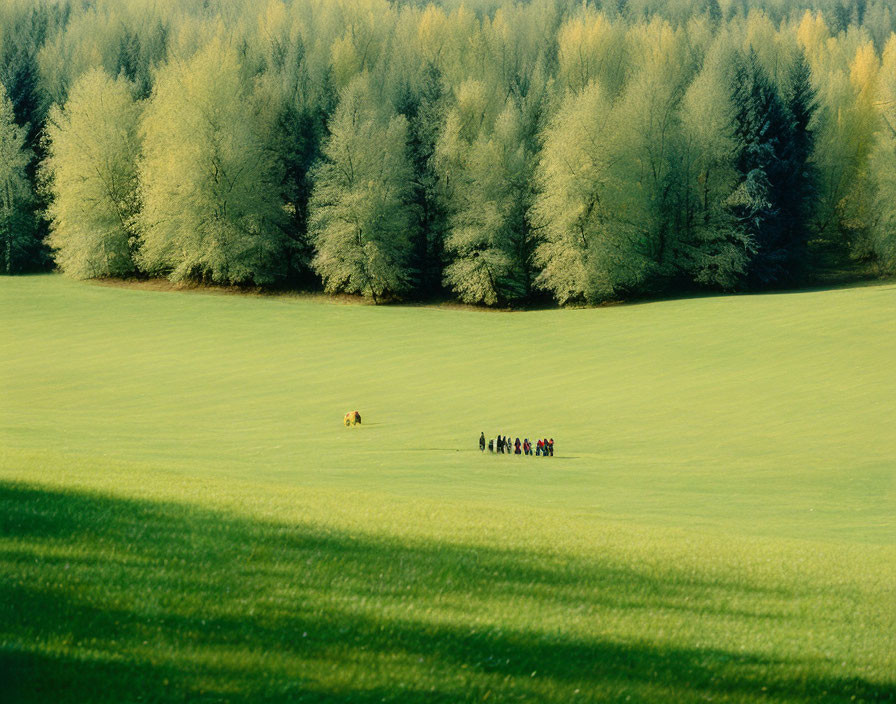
(110, 599)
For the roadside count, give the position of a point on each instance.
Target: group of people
(503, 445)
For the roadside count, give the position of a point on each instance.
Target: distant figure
(500, 445)
(482, 442)
(352, 418)
(491, 444)
(539, 448)
(516, 447)
(527, 447)
(551, 447)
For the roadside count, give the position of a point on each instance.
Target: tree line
(496, 151)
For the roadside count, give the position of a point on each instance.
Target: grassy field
(183, 516)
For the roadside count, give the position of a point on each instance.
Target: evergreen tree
(879, 22)
(713, 250)
(138, 49)
(210, 190)
(17, 240)
(301, 131)
(763, 129)
(302, 101)
(91, 168)
(24, 28)
(799, 180)
(19, 70)
(361, 212)
(425, 113)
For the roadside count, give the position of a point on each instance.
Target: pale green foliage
(369, 28)
(121, 38)
(477, 108)
(453, 41)
(607, 204)
(92, 148)
(592, 48)
(360, 212)
(210, 188)
(713, 250)
(646, 146)
(847, 120)
(516, 40)
(883, 165)
(776, 50)
(489, 193)
(231, 153)
(15, 192)
(581, 256)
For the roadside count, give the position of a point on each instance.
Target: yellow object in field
(352, 418)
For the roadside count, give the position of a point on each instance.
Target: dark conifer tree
(307, 129)
(424, 112)
(763, 129)
(799, 185)
(20, 76)
(300, 130)
(18, 244)
(842, 15)
(19, 72)
(714, 11)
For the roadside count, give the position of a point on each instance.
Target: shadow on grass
(112, 600)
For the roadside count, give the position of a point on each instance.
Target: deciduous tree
(581, 256)
(883, 165)
(361, 210)
(210, 187)
(488, 240)
(92, 151)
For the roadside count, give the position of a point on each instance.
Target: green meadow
(184, 516)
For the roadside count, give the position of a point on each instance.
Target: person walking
(527, 447)
(539, 446)
(551, 447)
(516, 447)
(482, 442)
